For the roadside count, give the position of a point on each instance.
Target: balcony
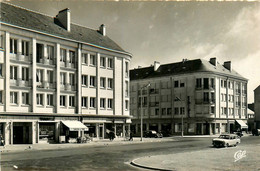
(20, 57)
(48, 85)
(70, 65)
(205, 101)
(46, 61)
(70, 87)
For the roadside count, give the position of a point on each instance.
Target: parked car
(226, 140)
(256, 132)
(152, 133)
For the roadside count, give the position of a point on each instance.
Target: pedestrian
(131, 136)
(111, 135)
(2, 141)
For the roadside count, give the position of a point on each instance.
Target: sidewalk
(117, 141)
(208, 159)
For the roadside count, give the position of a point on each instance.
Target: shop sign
(47, 118)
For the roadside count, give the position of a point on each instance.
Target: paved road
(105, 157)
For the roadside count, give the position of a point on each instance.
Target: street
(105, 157)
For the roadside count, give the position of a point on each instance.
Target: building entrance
(22, 133)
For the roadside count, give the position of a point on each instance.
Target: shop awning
(242, 124)
(75, 125)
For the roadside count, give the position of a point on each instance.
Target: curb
(147, 167)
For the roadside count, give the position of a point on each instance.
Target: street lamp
(178, 99)
(148, 85)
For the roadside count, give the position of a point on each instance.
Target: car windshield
(224, 136)
(153, 132)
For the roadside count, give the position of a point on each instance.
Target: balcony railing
(46, 61)
(20, 57)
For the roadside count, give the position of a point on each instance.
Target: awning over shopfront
(75, 125)
(242, 124)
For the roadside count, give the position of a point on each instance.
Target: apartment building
(58, 78)
(194, 96)
(257, 108)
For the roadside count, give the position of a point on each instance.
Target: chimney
(156, 65)
(64, 18)
(213, 61)
(228, 65)
(102, 29)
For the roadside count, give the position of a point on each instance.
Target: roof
(28, 19)
(185, 67)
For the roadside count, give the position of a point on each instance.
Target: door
(18, 135)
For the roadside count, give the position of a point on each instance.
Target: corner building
(202, 97)
(56, 76)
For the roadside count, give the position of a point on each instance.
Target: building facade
(52, 72)
(193, 96)
(257, 108)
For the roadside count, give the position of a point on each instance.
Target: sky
(171, 31)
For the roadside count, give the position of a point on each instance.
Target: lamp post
(148, 85)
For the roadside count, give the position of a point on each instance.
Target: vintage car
(152, 133)
(226, 140)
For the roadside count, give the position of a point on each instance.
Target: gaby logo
(239, 155)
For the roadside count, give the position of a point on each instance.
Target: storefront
(72, 130)
(47, 132)
(2, 133)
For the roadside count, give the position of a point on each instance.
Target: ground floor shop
(46, 129)
(189, 126)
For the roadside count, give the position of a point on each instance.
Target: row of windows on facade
(104, 102)
(164, 111)
(205, 83)
(231, 99)
(70, 57)
(230, 111)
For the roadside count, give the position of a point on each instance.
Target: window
(92, 81)
(84, 102)
(182, 110)
(39, 52)
(39, 75)
(63, 54)
(176, 83)
(62, 78)
(92, 102)
(39, 99)
(13, 72)
(225, 84)
(126, 105)
(156, 111)
(182, 84)
(25, 48)
(25, 98)
(92, 60)
(126, 89)
(109, 83)
(71, 101)
(49, 99)
(13, 98)
(109, 62)
(84, 58)
(25, 74)
(198, 83)
(212, 109)
(102, 82)
(222, 110)
(206, 97)
(1, 70)
(1, 97)
(225, 110)
(169, 111)
(84, 79)
(222, 83)
(50, 76)
(63, 101)
(1, 41)
(50, 52)
(13, 46)
(71, 57)
(176, 111)
(72, 79)
(126, 69)
(109, 103)
(163, 111)
(212, 83)
(102, 62)
(102, 103)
